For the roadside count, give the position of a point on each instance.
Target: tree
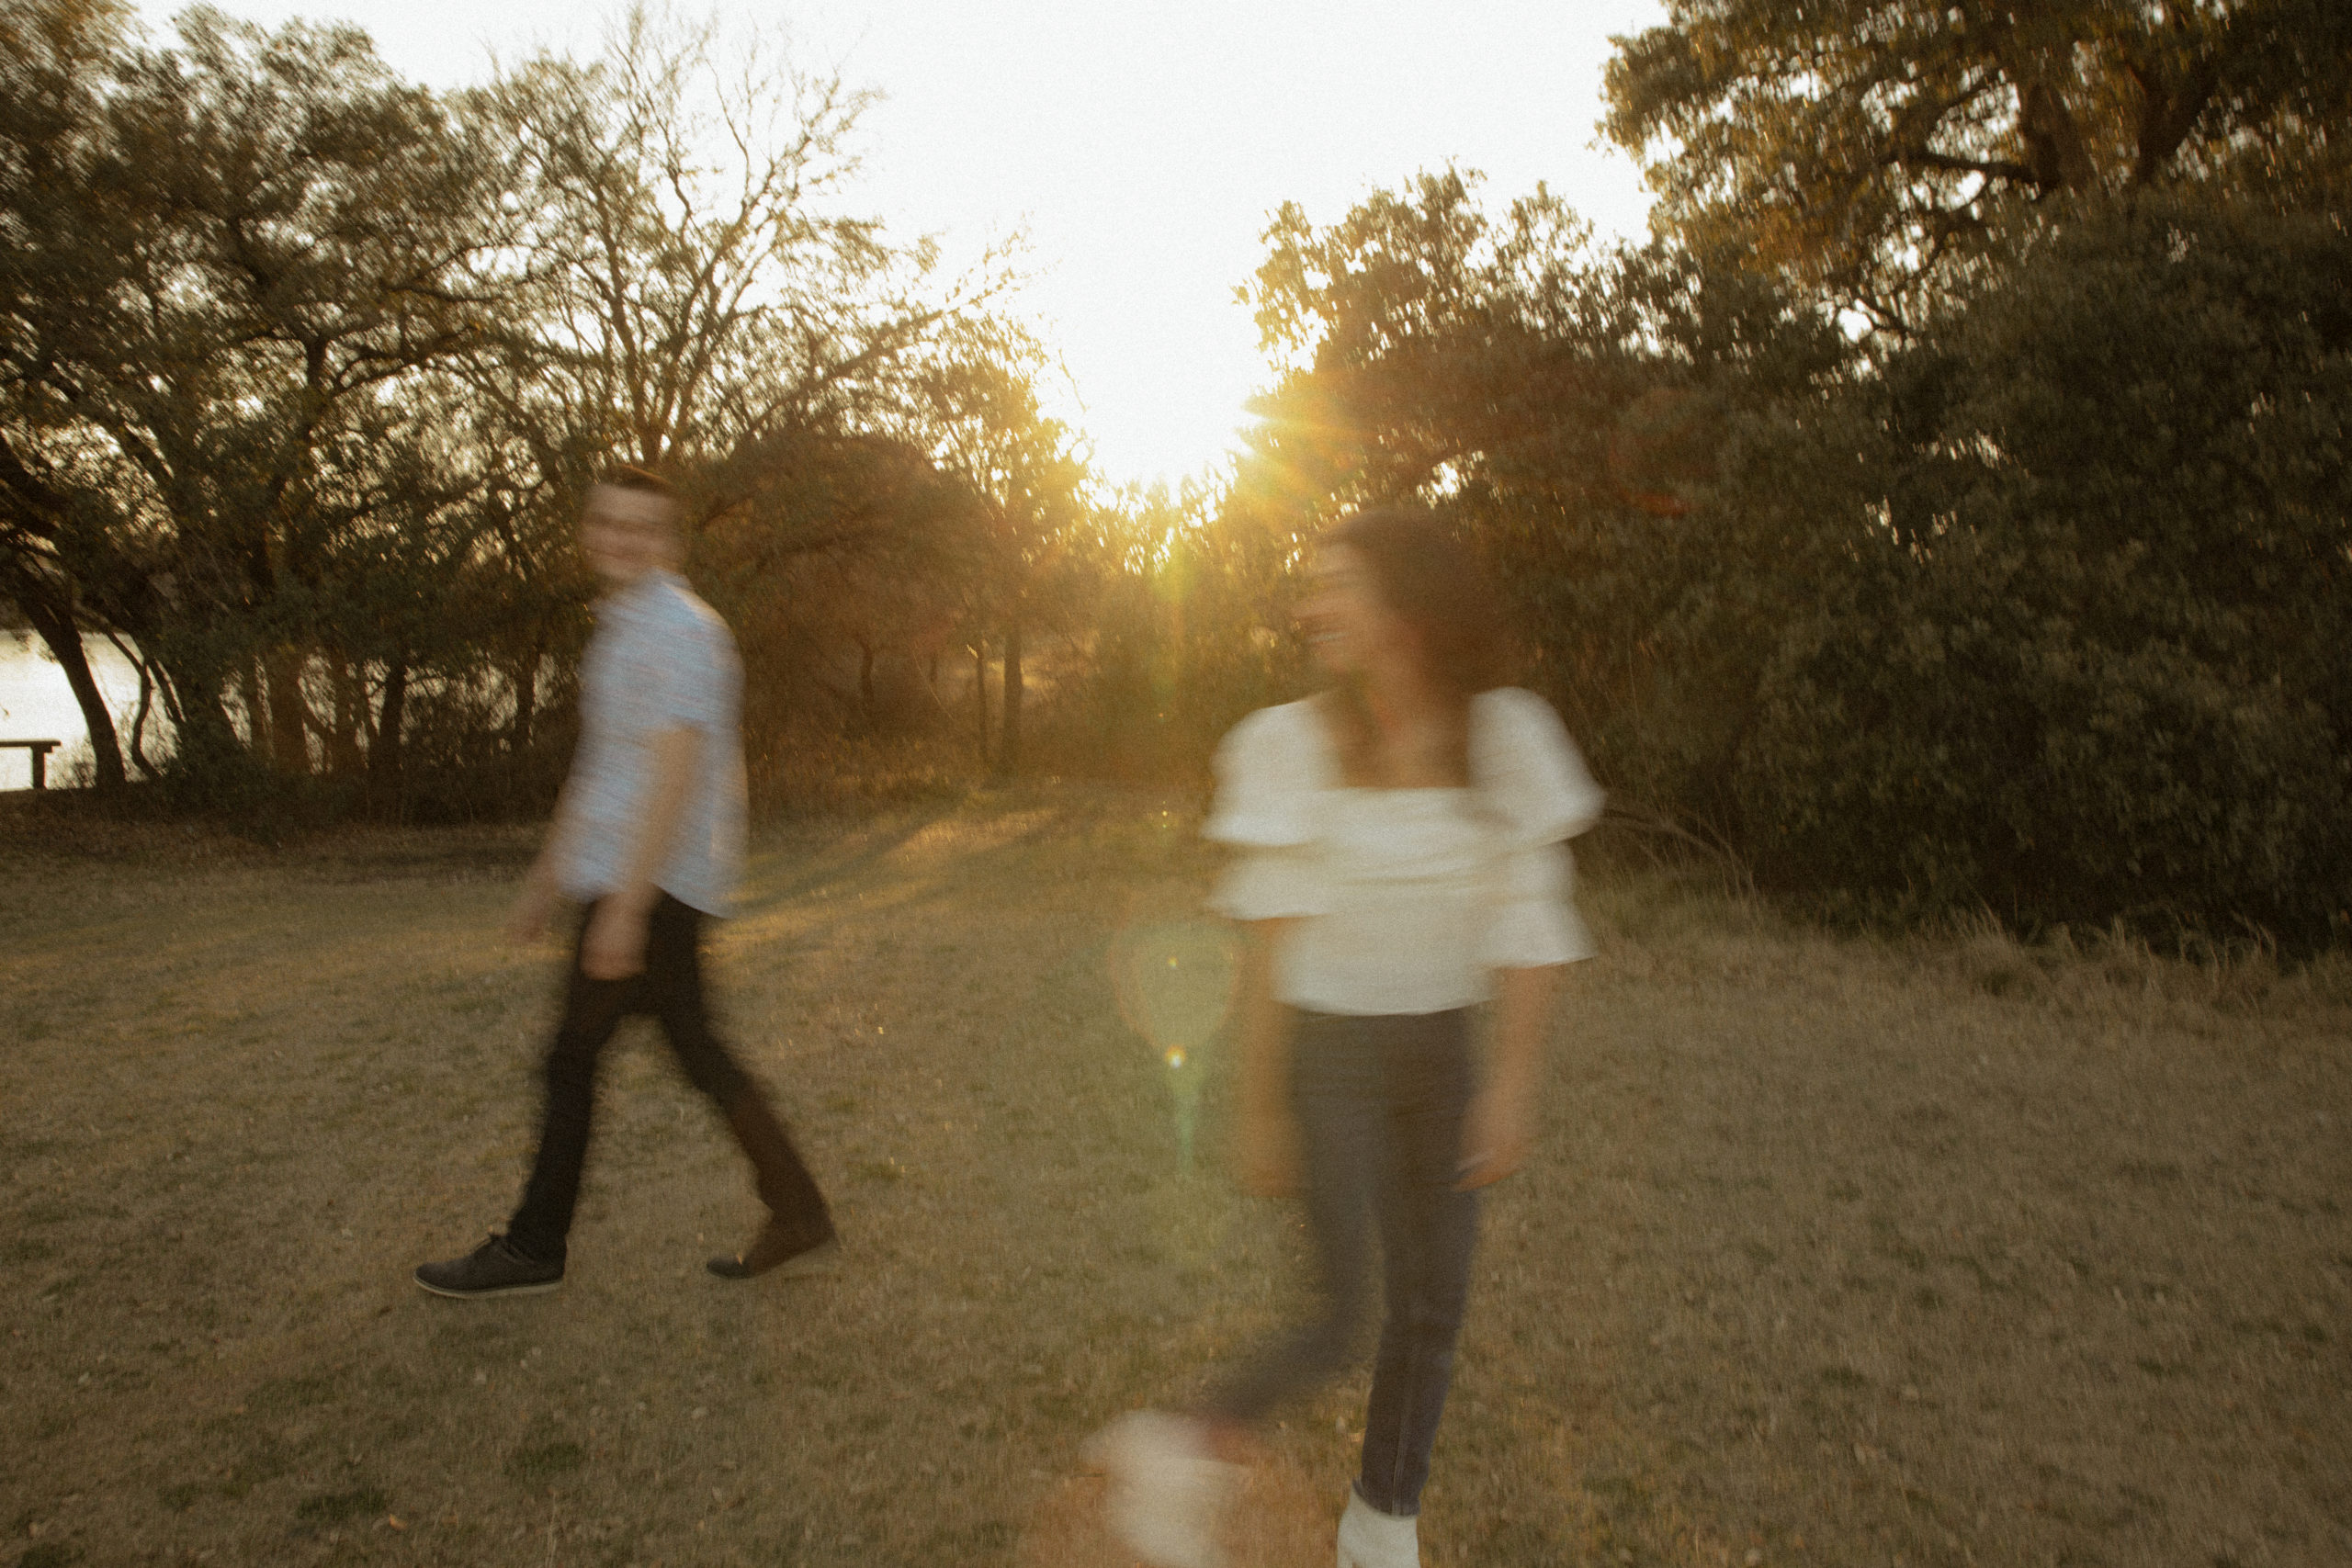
(54, 59)
(2074, 643)
(695, 298)
(1404, 331)
(680, 304)
(1028, 477)
(1188, 629)
(269, 238)
(304, 371)
(856, 544)
(1568, 409)
(1876, 150)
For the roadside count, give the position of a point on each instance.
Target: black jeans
(670, 987)
(1380, 1104)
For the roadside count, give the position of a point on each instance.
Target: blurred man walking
(649, 838)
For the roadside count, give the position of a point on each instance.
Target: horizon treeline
(1950, 509)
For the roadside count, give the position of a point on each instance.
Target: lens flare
(1175, 983)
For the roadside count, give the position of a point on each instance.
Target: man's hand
(1495, 1136)
(613, 948)
(526, 922)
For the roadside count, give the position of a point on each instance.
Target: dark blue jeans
(1379, 1104)
(671, 989)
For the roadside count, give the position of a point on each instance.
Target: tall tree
(854, 545)
(695, 283)
(2077, 565)
(1567, 405)
(1873, 149)
(1029, 475)
(698, 297)
(54, 58)
(271, 237)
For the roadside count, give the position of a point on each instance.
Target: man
(647, 837)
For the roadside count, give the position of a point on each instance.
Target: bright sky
(1141, 143)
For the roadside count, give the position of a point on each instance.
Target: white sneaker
(1168, 1493)
(1370, 1539)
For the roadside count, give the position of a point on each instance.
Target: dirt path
(1836, 1252)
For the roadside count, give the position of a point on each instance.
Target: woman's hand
(1501, 1122)
(1495, 1136)
(1265, 1140)
(613, 948)
(1266, 1154)
(526, 922)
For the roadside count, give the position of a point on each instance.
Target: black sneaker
(787, 1254)
(493, 1269)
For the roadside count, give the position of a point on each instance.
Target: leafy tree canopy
(1875, 148)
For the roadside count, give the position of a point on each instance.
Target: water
(35, 704)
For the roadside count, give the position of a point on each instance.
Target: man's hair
(628, 476)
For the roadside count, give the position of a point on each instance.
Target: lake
(35, 704)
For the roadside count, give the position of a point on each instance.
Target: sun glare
(1141, 148)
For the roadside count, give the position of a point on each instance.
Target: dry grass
(1837, 1252)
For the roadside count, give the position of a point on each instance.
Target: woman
(1399, 864)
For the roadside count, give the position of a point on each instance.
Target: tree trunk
(865, 686)
(196, 690)
(980, 692)
(1008, 760)
(289, 714)
(55, 623)
(2055, 145)
(167, 690)
(384, 756)
(344, 759)
(146, 668)
(256, 717)
(526, 701)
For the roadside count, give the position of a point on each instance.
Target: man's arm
(528, 920)
(1503, 1119)
(615, 946)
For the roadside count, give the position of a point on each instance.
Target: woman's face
(1347, 623)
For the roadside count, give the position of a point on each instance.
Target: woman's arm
(1501, 1124)
(1266, 1143)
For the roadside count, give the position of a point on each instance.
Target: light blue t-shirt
(660, 658)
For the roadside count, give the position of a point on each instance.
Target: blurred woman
(1399, 864)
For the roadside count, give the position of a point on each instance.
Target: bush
(2074, 639)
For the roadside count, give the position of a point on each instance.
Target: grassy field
(1835, 1251)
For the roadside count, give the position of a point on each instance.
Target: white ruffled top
(1407, 898)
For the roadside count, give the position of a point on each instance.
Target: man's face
(626, 532)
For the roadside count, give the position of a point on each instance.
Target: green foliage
(1570, 409)
(2081, 653)
(1188, 633)
(2040, 605)
(1880, 150)
(2043, 611)
(1949, 510)
(304, 371)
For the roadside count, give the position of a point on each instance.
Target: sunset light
(1139, 146)
(1173, 783)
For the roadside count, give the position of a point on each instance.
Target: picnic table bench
(41, 750)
